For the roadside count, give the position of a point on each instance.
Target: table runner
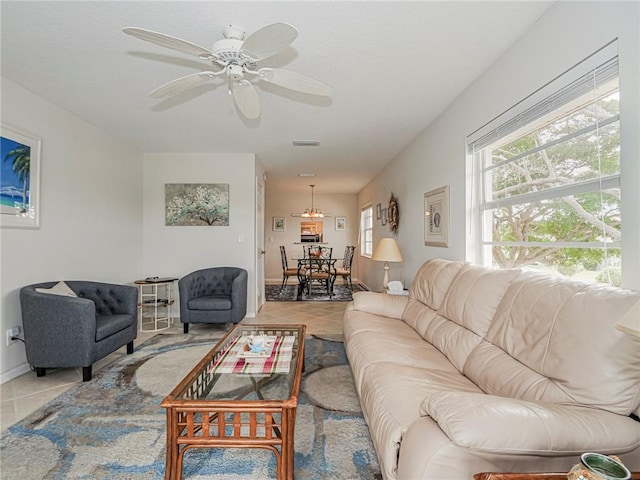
(227, 361)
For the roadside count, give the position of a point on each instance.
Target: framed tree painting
(436, 217)
(19, 178)
(197, 204)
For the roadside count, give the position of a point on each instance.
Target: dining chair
(345, 270)
(320, 269)
(286, 271)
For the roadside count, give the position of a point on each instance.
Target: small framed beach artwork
(379, 211)
(19, 178)
(278, 224)
(341, 224)
(383, 217)
(436, 217)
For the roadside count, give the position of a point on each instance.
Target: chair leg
(350, 282)
(130, 348)
(185, 327)
(40, 372)
(86, 373)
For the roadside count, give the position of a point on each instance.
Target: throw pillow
(59, 288)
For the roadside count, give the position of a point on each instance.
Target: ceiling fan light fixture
(305, 143)
(236, 57)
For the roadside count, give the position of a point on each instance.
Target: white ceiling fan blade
(268, 41)
(246, 98)
(169, 42)
(181, 84)
(295, 81)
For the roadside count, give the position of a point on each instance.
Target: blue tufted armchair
(64, 331)
(213, 295)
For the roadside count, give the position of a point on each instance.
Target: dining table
(316, 268)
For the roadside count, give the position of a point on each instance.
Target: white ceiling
(394, 67)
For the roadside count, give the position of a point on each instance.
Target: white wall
(176, 251)
(566, 34)
(90, 217)
(281, 204)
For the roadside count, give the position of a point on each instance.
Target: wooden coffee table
(222, 403)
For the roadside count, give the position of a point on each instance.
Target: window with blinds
(548, 176)
(366, 231)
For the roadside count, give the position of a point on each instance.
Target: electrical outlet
(12, 332)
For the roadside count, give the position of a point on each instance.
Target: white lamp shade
(630, 321)
(387, 251)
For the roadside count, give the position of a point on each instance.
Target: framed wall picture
(278, 224)
(341, 223)
(383, 217)
(379, 211)
(196, 204)
(19, 178)
(436, 217)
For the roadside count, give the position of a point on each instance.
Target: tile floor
(26, 393)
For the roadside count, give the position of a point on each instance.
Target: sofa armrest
(57, 325)
(391, 306)
(496, 424)
(239, 296)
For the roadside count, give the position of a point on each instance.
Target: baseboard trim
(14, 372)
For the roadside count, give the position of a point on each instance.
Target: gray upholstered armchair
(213, 295)
(67, 331)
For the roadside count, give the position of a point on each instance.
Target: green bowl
(606, 467)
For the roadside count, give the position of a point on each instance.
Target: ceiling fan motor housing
(227, 51)
(235, 72)
(233, 31)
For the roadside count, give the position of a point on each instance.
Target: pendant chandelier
(314, 212)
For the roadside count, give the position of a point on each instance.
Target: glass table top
(231, 371)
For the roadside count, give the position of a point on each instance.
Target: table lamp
(387, 251)
(630, 321)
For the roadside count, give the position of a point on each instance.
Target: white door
(260, 297)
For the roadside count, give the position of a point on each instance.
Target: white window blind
(548, 173)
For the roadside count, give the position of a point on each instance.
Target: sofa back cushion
(432, 281)
(554, 340)
(452, 303)
(427, 292)
(466, 311)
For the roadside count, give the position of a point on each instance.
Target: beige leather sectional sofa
(494, 370)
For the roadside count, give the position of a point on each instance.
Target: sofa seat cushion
(391, 396)
(510, 426)
(107, 325)
(210, 302)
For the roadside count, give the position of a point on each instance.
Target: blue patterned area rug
(293, 293)
(113, 427)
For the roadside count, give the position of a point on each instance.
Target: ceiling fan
(235, 58)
